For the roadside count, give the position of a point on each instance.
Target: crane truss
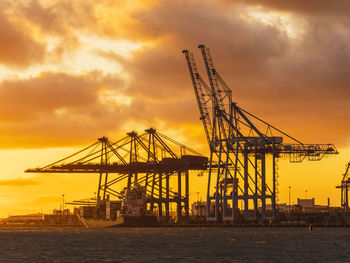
(151, 159)
(344, 189)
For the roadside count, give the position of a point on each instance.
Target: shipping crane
(344, 188)
(150, 160)
(239, 144)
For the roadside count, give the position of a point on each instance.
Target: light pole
(62, 203)
(197, 203)
(289, 193)
(306, 193)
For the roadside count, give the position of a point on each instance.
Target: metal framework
(151, 159)
(241, 145)
(344, 189)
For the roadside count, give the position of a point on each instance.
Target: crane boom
(220, 92)
(201, 96)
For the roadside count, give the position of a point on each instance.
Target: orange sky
(73, 71)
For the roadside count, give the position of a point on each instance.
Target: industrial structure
(146, 172)
(344, 189)
(240, 146)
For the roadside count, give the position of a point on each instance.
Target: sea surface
(175, 245)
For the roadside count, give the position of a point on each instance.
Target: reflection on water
(175, 245)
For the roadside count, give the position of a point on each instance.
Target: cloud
(35, 31)
(299, 84)
(19, 182)
(18, 47)
(58, 108)
(45, 93)
(160, 81)
(338, 8)
(57, 17)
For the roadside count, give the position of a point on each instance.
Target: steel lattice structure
(240, 145)
(344, 189)
(151, 159)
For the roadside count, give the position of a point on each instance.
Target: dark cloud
(299, 84)
(58, 109)
(18, 48)
(159, 71)
(27, 98)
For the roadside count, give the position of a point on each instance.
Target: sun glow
(114, 97)
(293, 26)
(78, 61)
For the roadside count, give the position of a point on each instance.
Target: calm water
(175, 245)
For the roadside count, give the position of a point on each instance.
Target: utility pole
(306, 194)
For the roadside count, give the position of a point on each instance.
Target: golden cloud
(298, 84)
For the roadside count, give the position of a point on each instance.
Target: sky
(73, 71)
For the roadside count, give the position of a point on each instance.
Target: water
(175, 245)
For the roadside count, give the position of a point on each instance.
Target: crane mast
(222, 95)
(203, 99)
(221, 92)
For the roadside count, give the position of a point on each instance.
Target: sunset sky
(74, 71)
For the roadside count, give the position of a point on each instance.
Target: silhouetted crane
(344, 188)
(149, 159)
(239, 143)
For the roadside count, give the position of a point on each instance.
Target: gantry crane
(344, 188)
(239, 144)
(151, 160)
